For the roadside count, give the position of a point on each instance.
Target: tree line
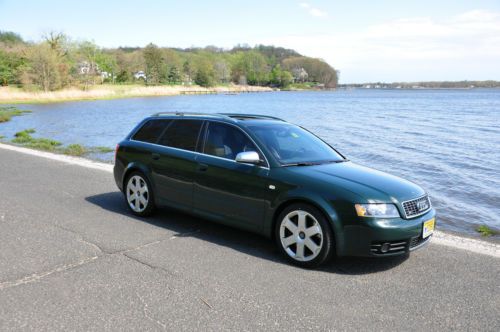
(57, 62)
(426, 85)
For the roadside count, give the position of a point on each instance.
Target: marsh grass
(486, 231)
(7, 112)
(25, 139)
(12, 95)
(75, 150)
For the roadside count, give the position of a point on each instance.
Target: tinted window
(291, 144)
(226, 141)
(151, 131)
(182, 134)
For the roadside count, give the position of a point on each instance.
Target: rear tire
(304, 235)
(139, 194)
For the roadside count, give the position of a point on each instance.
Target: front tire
(304, 235)
(139, 195)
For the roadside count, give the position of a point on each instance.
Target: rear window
(182, 134)
(150, 132)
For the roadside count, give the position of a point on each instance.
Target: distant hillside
(58, 62)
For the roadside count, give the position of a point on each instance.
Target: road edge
(60, 157)
(439, 237)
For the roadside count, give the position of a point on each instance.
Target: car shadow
(185, 225)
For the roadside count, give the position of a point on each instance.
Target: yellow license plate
(428, 227)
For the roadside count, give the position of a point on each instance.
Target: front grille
(417, 241)
(416, 207)
(389, 247)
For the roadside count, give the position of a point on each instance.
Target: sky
(367, 41)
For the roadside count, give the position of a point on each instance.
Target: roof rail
(217, 115)
(250, 116)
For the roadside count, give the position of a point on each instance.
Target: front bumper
(383, 237)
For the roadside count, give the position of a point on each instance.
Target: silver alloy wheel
(301, 235)
(137, 193)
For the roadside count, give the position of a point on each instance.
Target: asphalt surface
(73, 258)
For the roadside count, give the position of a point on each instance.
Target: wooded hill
(57, 62)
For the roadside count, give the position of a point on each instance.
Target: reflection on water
(445, 140)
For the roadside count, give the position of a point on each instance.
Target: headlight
(376, 210)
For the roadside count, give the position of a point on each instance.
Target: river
(448, 141)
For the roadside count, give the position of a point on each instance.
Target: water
(448, 141)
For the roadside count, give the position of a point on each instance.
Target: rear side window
(182, 134)
(150, 132)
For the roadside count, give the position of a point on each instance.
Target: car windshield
(292, 145)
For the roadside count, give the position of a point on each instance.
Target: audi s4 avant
(265, 175)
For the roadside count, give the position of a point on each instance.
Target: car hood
(372, 185)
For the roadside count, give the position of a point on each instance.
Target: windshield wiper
(336, 161)
(315, 163)
(301, 164)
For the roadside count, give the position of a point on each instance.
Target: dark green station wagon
(265, 175)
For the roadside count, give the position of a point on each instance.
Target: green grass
(302, 86)
(75, 150)
(25, 139)
(486, 231)
(7, 112)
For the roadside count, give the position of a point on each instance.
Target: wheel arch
(133, 167)
(297, 200)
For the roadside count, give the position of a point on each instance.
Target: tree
(174, 75)
(205, 75)
(10, 62)
(316, 69)
(128, 62)
(154, 64)
(107, 66)
(43, 68)
(281, 78)
(222, 71)
(188, 71)
(10, 38)
(253, 66)
(87, 66)
(57, 42)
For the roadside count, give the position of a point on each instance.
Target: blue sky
(366, 40)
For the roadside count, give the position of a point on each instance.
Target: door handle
(202, 167)
(155, 156)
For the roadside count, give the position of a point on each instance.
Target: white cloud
(465, 46)
(313, 10)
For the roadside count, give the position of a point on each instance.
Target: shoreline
(483, 245)
(14, 95)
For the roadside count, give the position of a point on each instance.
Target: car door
(224, 189)
(174, 166)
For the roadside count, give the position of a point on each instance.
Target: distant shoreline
(434, 85)
(419, 88)
(14, 95)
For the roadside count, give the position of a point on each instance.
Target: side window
(151, 131)
(182, 134)
(226, 141)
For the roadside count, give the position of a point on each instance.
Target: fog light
(385, 247)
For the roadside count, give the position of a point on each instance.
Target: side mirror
(248, 157)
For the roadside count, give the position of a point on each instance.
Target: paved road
(72, 258)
